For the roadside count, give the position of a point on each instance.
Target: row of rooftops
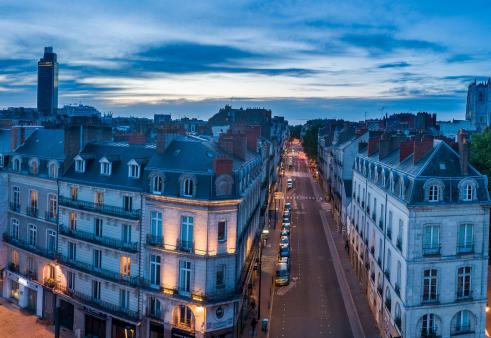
(179, 154)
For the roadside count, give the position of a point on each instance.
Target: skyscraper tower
(48, 82)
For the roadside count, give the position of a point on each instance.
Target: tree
(480, 152)
(295, 131)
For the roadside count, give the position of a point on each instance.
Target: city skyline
(302, 60)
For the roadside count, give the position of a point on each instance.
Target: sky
(302, 59)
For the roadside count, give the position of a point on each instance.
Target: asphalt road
(312, 305)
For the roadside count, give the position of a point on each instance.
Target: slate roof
(45, 144)
(120, 154)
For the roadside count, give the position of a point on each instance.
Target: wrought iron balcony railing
(21, 244)
(100, 208)
(101, 240)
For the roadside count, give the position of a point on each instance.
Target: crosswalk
(303, 197)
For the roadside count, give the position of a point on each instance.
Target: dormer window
(433, 193)
(106, 166)
(79, 164)
(188, 187)
(33, 166)
(467, 188)
(133, 169)
(468, 194)
(1, 161)
(433, 190)
(53, 170)
(157, 184)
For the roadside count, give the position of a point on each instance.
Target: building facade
(418, 234)
(47, 95)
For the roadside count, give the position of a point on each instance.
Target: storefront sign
(22, 281)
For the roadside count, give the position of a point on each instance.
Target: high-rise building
(48, 82)
(478, 108)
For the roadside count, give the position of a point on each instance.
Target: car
(284, 240)
(285, 260)
(285, 232)
(286, 225)
(282, 274)
(284, 251)
(286, 219)
(288, 206)
(289, 183)
(286, 212)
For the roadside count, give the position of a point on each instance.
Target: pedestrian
(253, 326)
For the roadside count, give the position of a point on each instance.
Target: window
(127, 203)
(430, 279)
(431, 240)
(51, 240)
(73, 220)
(30, 264)
(79, 165)
(398, 277)
(389, 226)
(428, 325)
(72, 251)
(98, 227)
(125, 265)
(52, 207)
(96, 290)
(400, 232)
(184, 277)
(14, 231)
(71, 280)
(53, 170)
(156, 217)
(106, 167)
(186, 241)
(466, 238)
(32, 234)
(33, 199)
(74, 193)
(51, 272)
(388, 265)
(133, 170)
(461, 323)
(99, 198)
(2, 162)
(16, 165)
(97, 258)
(16, 198)
(464, 282)
(433, 193)
(154, 307)
(188, 187)
(155, 270)
(126, 233)
(33, 167)
(468, 193)
(15, 257)
(185, 316)
(220, 276)
(124, 298)
(157, 184)
(222, 231)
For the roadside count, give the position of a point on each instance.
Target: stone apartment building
(134, 239)
(418, 234)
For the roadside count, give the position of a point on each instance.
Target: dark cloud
(17, 66)
(384, 43)
(457, 58)
(401, 64)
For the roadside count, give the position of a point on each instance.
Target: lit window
(125, 265)
(33, 167)
(433, 193)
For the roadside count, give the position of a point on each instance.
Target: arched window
(467, 188)
(33, 166)
(157, 184)
(16, 164)
(462, 323)
(429, 327)
(184, 318)
(433, 193)
(53, 170)
(188, 189)
(433, 190)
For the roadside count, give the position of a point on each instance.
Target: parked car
(286, 213)
(288, 206)
(284, 251)
(289, 183)
(285, 232)
(282, 274)
(284, 240)
(286, 219)
(286, 225)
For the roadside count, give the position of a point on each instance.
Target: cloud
(401, 64)
(385, 43)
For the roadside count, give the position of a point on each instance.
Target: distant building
(248, 116)
(79, 110)
(451, 129)
(478, 109)
(161, 119)
(48, 82)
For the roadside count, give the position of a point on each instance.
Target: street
(312, 304)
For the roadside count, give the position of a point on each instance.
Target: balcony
(14, 206)
(104, 241)
(220, 295)
(24, 245)
(431, 250)
(432, 298)
(100, 208)
(32, 211)
(115, 310)
(185, 246)
(399, 244)
(50, 216)
(98, 272)
(155, 240)
(465, 248)
(464, 295)
(461, 329)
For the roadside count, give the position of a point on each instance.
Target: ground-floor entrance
(178, 333)
(66, 314)
(156, 330)
(122, 329)
(94, 327)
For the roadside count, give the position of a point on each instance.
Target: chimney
(384, 147)
(422, 147)
(165, 135)
(253, 133)
(463, 144)
(13, 139)
(222, 165)
(240, 146)
(406, 149)
(137, 138)
(373, 145)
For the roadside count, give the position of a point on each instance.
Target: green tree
(480, 152)
(295, 131)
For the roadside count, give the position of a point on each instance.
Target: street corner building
(127, 239)
(418, 235)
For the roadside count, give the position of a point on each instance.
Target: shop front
(122, 329)
(26, 293)
(220, 321)
(95, 327)
(156, 330)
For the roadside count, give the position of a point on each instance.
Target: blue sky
(303, 59)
